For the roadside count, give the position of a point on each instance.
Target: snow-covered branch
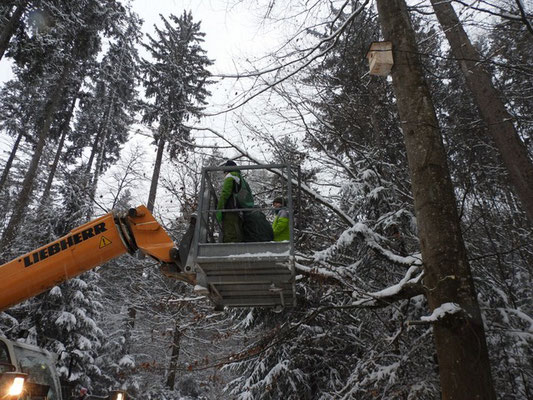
(410, 286)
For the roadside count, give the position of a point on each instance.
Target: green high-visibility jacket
(236, 188)
(280, 225)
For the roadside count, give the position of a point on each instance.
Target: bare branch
(524, 16)
(332, 39)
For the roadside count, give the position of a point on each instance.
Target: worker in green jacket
(235, 194)
(280, 225)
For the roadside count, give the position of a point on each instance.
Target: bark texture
(61, 143)
(176, 340)
(459, 338)
(130, 326)
(9, 163)
(155, 175)
(496, 117)
(100, 139)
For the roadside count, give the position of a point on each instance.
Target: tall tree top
(176, 77)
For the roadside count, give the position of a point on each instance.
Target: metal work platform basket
(243, 274)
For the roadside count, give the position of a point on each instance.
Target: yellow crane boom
(84, 248)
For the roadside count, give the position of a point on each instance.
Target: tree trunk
(496, 117)
(103, 143)
(94, 150)
(155, 175)
(10, 160)
(23, 198)
(130, 326)
(99, 167)
(100, 139)
(97, 138)
(53, 169)
(176, 340)
(9, 29)
(105, 121)
(459, 338)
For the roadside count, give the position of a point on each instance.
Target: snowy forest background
(87, 84)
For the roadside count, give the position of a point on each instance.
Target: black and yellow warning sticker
(104, 241)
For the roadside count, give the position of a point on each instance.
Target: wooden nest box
(379, 57)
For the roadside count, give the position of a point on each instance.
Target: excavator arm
(86, 247)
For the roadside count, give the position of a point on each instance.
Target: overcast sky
(231, 31)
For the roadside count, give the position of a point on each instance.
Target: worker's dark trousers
(232, 227)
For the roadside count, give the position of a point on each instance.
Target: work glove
(219, 216)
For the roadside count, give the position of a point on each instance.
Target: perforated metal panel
(247, 274)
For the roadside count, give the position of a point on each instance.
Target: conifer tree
(175, 80)
(16, 118)
(57, 52)
(492, 109)
(354, 136)
(107, 111)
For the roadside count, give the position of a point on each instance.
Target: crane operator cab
(27, 372)
(250, 268)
